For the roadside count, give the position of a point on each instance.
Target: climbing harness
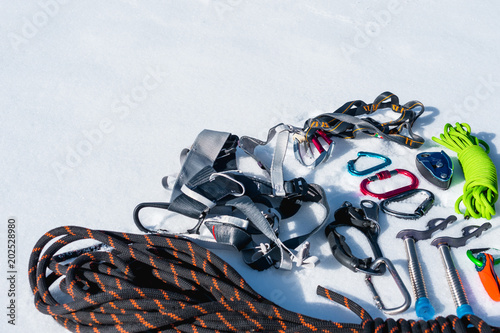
(346, 122)
(352, 169)
(239, 211)
(484, 263)
(481, 188)
(364, 219)
(444, 244)
(385, 175)
(420, 211)
(165, 283)
(423, 306)
(435, 167)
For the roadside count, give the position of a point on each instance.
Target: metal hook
(378, 302)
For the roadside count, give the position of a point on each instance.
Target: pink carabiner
(388, 174)
(316, 142)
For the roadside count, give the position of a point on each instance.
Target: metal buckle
(350, 164)
(388, 174)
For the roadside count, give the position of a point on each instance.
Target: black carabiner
(420, 211)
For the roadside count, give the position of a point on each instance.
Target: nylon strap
(346, 122)
(275, 171)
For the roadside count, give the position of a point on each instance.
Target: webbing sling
(233, 207)
(346, 122)
(153, 283)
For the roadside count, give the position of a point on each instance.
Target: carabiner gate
(352, 170)
(300, 140)
(378, 302)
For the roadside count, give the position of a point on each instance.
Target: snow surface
(99, 98)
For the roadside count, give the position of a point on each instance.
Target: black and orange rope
(153, 283)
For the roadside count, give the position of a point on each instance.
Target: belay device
(237, 210)
(436, 167)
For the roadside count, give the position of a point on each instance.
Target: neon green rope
(481, 188)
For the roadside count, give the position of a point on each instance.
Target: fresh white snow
(99, 98)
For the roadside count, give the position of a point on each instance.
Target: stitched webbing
(346, 122)
(152, 283)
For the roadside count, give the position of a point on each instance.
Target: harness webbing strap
(275, 171)
(234, 206)
(153, 283)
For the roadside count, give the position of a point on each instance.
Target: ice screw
(423, 306)
(454, 282)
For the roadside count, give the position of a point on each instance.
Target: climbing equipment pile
(233, 209)
(166, 281)
(155, 283)
(481, 187)
(346, 122)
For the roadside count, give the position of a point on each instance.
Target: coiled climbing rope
(481, 189)
(153, 283)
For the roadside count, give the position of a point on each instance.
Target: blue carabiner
(350, 165)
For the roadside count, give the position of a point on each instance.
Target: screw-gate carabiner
(352, 170)
(388, 174)
(401, 286)
(299, 140)
(420, 211)
(484, 263)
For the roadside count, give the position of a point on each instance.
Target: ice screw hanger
(457, 289)
(423, 306)
(352, 169)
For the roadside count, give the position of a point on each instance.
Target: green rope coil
(481, 188)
